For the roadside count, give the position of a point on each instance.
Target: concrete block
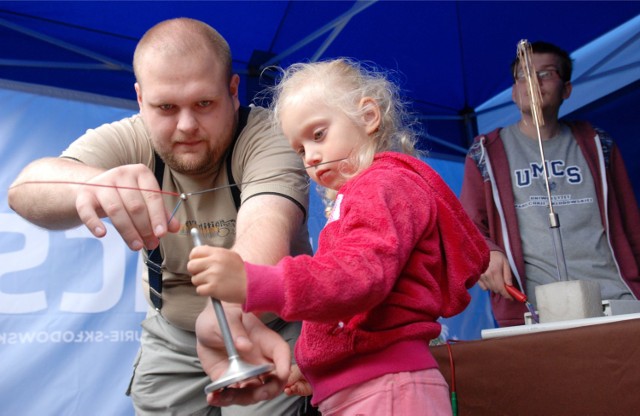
(614, 307)
(575, 299)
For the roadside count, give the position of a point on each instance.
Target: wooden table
(586, 371)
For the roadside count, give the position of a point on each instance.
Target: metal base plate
(238, 371)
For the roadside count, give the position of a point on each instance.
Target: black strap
(235, 189)
(154, 258)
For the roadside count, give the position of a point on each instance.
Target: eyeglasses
(542, 75)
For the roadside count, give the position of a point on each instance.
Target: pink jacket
(613, 190)
(397, 253)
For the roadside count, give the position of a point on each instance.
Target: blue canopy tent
(451, 56)
(69, 317)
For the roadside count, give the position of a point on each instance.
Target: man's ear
(566, 90)
(233, 90)
(136, 86)
(514, 96)
(370, 114)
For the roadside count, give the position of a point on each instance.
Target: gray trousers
(168, 378)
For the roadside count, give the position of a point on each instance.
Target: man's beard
(208, 162)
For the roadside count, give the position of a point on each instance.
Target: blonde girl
(397, 252)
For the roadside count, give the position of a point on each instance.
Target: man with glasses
(505, 193)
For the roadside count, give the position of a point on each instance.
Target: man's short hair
(566, 63)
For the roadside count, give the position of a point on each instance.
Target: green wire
(454, 403)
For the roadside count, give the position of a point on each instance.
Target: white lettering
(69, 337)
(141, 301)
(26, 248)
(32, 254)
(113, 274)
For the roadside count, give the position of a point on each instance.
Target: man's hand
(219, 273)
(256, 344)
(497, 275)
(129, 195)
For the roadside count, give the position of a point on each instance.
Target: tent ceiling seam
(597, 75)
(56, 65)
(358, 7)
(334, 34)
(64, 45)
(608, 57)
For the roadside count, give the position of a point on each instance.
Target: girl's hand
(297, 384)
(219, 273)
(497, 275)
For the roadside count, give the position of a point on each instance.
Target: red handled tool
(521, 297)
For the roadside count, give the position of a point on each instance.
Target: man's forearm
(37, 197)
(266, 226)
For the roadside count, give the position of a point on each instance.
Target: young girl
(397, 252)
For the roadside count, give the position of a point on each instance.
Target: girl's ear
(370, 114)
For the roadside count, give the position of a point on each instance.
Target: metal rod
(219, 310)
(524, 52)
(224, 328)
(238, 370)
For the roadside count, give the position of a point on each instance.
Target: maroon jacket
(486, 166)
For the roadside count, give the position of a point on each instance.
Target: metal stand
(524, 52)
(238, 370)
(565, 299)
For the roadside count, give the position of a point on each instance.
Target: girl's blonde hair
(343, 83)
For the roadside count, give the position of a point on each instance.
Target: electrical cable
(452, 387)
